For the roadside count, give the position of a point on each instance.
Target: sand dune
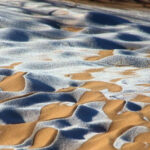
(13, 83)
(44, 137)
(73, 77)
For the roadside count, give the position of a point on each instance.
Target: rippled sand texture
(73, 78)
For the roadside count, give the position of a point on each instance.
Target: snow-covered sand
(73, 77)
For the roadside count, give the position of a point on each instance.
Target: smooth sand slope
(73, 77)
(121, 4)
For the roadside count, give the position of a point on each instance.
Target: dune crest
(13, 83)
(44, 138)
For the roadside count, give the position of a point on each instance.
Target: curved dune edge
(12, 66)
(13, 83)
(86, 75)
(14, 134)
(142, 98)
(129, 72)
(112, 107)
(91, 96)
(135, 145)
(100, 85)
(115, 80)
(101, 54)
(49, 112)
(12, 98)
(119, 125)
(141, 142)
(72, 29)
(44, 137)
(146, 112)
(69, 89)
(80, 76)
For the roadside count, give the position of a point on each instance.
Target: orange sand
(142, 98)
(49, 112)
(44, 137)
(72, 29)
(15, 133)
(11, 98)
(102, 54)
(113, 107)
(129, 72)
(115, 80)
(80, 76)
(136, 146)
(100, 85)
(119, 125)
(12, 66)
(13, 83)
(91, 96)
(69, 89)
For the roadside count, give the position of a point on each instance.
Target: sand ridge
(13, 83)
(44, 137)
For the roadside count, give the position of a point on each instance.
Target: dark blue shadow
(76, 133)
(126, 138)
(17, 35)
(145, 29)
(10, 116)
(62, 123)
(105, 19)
(51, 23)
(98, 128)
(127, 53)
(31, 100)
(42, 98)
(66, 98)
(5, 72)
(86, 113)
(97, 43)
(74, 84)
(133, 107)
(38, 86)
(129, 37)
